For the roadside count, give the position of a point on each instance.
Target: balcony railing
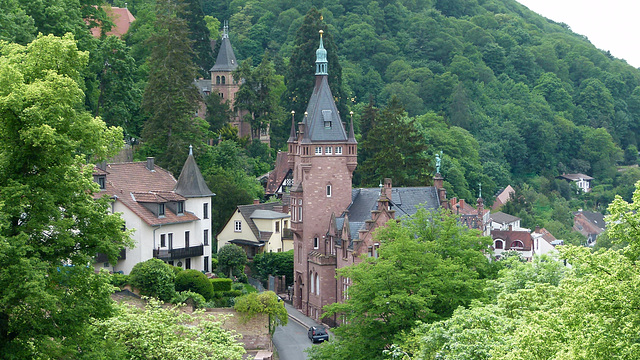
(102, 258)
(287, 234)
(179, 253)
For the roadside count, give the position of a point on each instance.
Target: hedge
(196, 281)
(221, 284)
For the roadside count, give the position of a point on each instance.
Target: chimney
(387, 188)
(462, 204)
(150, 165)
(537, 229)
(256, 201)
(510, 227)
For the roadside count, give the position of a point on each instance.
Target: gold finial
(306, 113)
(351, 112)
(321, 32)
(321, 18)
(293, 112)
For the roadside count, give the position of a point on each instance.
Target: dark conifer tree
(199, 35)
(300, 76)
(170, 98)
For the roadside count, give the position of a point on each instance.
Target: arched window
(317, 284)
(517, 245)
(217, 79)
(499, 244)
(224, 80)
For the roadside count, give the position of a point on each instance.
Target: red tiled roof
(510, 236)
(546, 235)
(121, 18)
(132, 183)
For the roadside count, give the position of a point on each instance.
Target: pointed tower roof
(292, 134)
(322, 123)
(191, 183)
(352, 135)
(226, 60)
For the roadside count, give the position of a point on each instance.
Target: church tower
(224, 85)
(322, 155)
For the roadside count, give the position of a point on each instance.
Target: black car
(318, 334)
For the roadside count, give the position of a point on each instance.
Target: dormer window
(326, 115)
(160, 209)
(102, 182)
(180, 208)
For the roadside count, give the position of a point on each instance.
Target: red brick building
(332, 223)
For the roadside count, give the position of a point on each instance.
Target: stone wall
(255, 332)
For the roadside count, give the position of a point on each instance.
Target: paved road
(290, 341)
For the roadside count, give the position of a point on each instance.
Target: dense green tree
(153, 278)
(199, 35)
(218, 112)
(196, 281)
(231, 259)
(299, 79)
(266, 302)
(393, 148)
(15, 24)
(51, 227)
(170, 98)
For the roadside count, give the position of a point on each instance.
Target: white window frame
(316, 243)
(328, 150)
(338, 150)
(237, 226)
(318, 150)
(328, 192)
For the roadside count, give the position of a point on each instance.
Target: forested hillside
(508, 96)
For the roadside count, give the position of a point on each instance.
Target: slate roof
(575, 177)
(268, 215)
(405, 201)
(191, 183)
(133, 184)
(321, 109)
(596, 218)
(226, 60)
(503, 218)
(203, 86)
(247, 212)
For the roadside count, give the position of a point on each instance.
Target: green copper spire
(321, 58)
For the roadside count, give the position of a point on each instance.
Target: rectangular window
(328, 150)
(277, 226)
(205, 210)
(170, 236)
(206, 264)
(162, 240)
(328, 190)
(318, 150)
(338, 150)
(285, 225)
(186, 239)
(187, 263)
(102, 182)
(160, 209)
(299, 213)
(315, 243)
(206, 237)
(237, 226)
(180, 207)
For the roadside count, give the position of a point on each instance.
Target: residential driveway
(290, 341)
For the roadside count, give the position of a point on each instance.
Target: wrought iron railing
(179, 253)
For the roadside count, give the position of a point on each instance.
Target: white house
(258, 228)
(502, 221)
(582, 181)
(170, 219)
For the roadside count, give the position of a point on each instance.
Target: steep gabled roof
(322, 111)
(226, 60)
(265, 210)
(503, 218)
(191, 183)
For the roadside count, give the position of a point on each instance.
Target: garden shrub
(183, 296)
(119, 280)
(194, 280)
(153, 278)
(221, 284)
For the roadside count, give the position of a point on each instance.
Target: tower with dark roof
(224, 85)
(322, 155)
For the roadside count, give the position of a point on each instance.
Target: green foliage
(47, 212)
(276, 264)
(195, 281)
(153, 278)
(263, 303)
(184, 297)
(156, 332)
(221, 284)
(231, 260)
(119, 280)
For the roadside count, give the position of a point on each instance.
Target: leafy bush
(119, 280)
(221, 284)
(262, 303)
(232, 293)
(176, 269)
(183, 296)
(153, 278)
(194, 280)
(231, 260)
(276, 264)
